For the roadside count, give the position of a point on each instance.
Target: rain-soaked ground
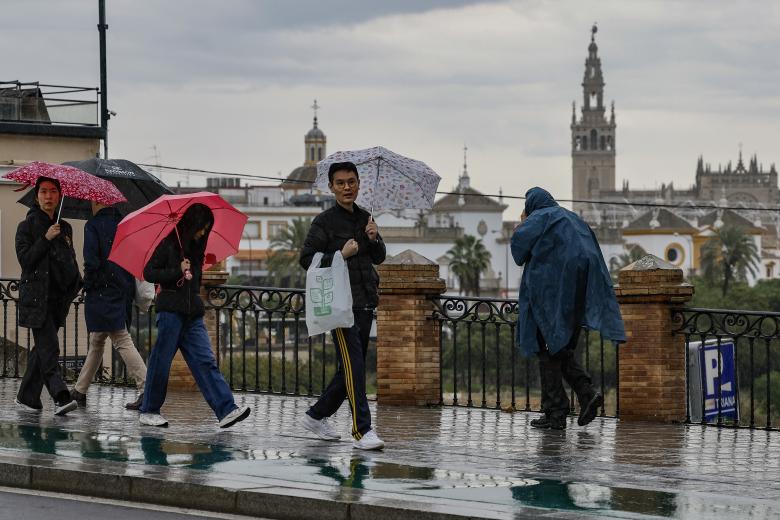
(454, 456)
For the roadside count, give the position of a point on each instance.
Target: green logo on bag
(322, 296)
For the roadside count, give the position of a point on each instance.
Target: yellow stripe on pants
(348, 381)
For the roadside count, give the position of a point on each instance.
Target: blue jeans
(175, 332)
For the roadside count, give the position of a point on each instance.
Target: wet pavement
(479, 463)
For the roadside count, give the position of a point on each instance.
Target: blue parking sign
(719, 380)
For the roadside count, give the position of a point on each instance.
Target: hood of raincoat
(565, 282)
(538, 198)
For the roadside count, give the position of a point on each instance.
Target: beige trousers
(123, 344)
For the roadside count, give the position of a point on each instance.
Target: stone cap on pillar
(214, 275)
(653, 278)
(409, 272)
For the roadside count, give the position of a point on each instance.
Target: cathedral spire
(464, 179)
(315, 107)
(593, 81)
(314, 141)
(593, 135)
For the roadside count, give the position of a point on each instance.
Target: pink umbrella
(140, 232)
(73, 182)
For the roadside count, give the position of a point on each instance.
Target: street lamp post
(104, 112)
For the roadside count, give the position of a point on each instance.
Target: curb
(268, 501)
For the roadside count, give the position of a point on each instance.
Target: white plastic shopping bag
(144, 294)
(328, 296)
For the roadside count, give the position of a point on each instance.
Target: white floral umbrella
(388, 181)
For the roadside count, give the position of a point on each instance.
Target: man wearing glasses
(348, 228)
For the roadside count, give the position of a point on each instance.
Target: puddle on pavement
(314, 465)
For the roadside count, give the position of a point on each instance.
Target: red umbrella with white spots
(74, 183)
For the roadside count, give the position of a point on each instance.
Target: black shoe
(81, 399)
(547, 423)
(589, 411)
(135, 405)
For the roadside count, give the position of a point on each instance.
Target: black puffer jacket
(50, 277)
(176, 294)
(329, 231)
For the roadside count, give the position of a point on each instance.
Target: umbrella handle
(62, 203)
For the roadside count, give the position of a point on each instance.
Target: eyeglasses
(341, 184)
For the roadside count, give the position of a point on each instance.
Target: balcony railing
(48, 104)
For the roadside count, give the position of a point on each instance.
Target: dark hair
(194, 219)
(41, 180)
(342, 166)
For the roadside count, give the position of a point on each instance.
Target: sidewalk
(439, 463)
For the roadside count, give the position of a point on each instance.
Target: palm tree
(633, 253)
(729, 256)
(468, 258)
(283, 267)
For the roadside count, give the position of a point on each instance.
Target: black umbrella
(137, 185)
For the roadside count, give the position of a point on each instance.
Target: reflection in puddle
(361, 472)
(114, 447)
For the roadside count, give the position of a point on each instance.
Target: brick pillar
(407, 350)
(181, 377)
(652, 361)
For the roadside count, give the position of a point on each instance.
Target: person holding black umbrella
(109, 293)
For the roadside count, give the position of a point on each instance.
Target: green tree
(728, 257)
(468, 259)
(633, 253)
(283, 267)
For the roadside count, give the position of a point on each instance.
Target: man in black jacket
(348, 228)
(50, 280)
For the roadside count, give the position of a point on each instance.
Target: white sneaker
(65, 408)
(26, 408)
(321, 428)
(236, 416)
(153, 419)
(369, 441)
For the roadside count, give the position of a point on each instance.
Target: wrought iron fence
(263, 345)
(260, 339)
(481, 365)
(16, 341)
(733, 366)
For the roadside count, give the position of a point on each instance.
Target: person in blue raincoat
(565, 286)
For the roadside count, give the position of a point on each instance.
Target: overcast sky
(228, 85)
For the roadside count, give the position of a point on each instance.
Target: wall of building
(659, 243)
(14, 147)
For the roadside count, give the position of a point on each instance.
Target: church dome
(315, 133)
